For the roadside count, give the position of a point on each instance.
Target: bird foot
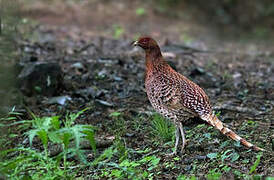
(174, 153)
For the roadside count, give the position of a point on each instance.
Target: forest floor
(90, 42)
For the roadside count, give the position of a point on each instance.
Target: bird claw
(174, 153)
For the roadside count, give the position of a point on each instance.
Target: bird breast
(176, 94)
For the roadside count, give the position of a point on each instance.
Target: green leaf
(176, 158)
(224, 155)
(76, 135)
(257, 162)
(55, 137)
(212, 155)
(237, 144)
(90, 136)
(115, 114)
(140, 11)
(46, 122)
(207, 135)
(107, 154)
(214, 176)
(32, 133)
(125, 163)
(66, 139)
(43, 136)
(55, 122)
(38, 89)
(116, 173)
(155, 161)
(118, 31)
(235, 157)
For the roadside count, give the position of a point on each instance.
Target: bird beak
(135, 43)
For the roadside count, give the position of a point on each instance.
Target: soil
(103, 71)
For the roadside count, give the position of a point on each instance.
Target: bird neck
(154, 61)
(153, 53)
(153, 56)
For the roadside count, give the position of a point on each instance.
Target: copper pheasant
(176, 97)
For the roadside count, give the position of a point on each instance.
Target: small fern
(20, 161)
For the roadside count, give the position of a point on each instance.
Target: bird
(176, 97)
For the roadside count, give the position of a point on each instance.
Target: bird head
(146, 43)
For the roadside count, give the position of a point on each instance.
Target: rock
(117, 78)
(199, 157)
(188, 168)
(90, 92)
(41, 78)
(105, 103)
(61, 100)
(77, 65)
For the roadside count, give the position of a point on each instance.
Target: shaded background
(220, 25)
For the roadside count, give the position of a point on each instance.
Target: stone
(41, 78)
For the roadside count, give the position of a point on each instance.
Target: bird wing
(168, 92)
(193, 97)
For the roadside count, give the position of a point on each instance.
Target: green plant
(140, 11)
(21, 162)
(183, 177)
(10, 120)
(126, 169)
(118, 31)
(6, 131)
(186, 39)
(214, 175)
(118, 126)
(218, 113)
(256, 163)
(162, 128)
(30, 164)
(118, 162)
(231, 155)
(212, 155)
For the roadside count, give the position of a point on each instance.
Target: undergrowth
(30, 163)
(162, 128)
(119, 161)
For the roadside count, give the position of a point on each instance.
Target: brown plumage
(176, 97)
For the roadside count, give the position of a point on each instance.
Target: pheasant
(176, 97)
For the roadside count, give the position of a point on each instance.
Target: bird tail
(215, 122)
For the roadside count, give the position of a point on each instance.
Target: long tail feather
(215, 122)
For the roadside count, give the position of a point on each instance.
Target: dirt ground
(91, 43)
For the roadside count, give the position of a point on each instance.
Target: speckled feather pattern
(176, 97)
(172, 94)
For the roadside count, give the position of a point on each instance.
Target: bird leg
(177, 138)
(183, 136)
